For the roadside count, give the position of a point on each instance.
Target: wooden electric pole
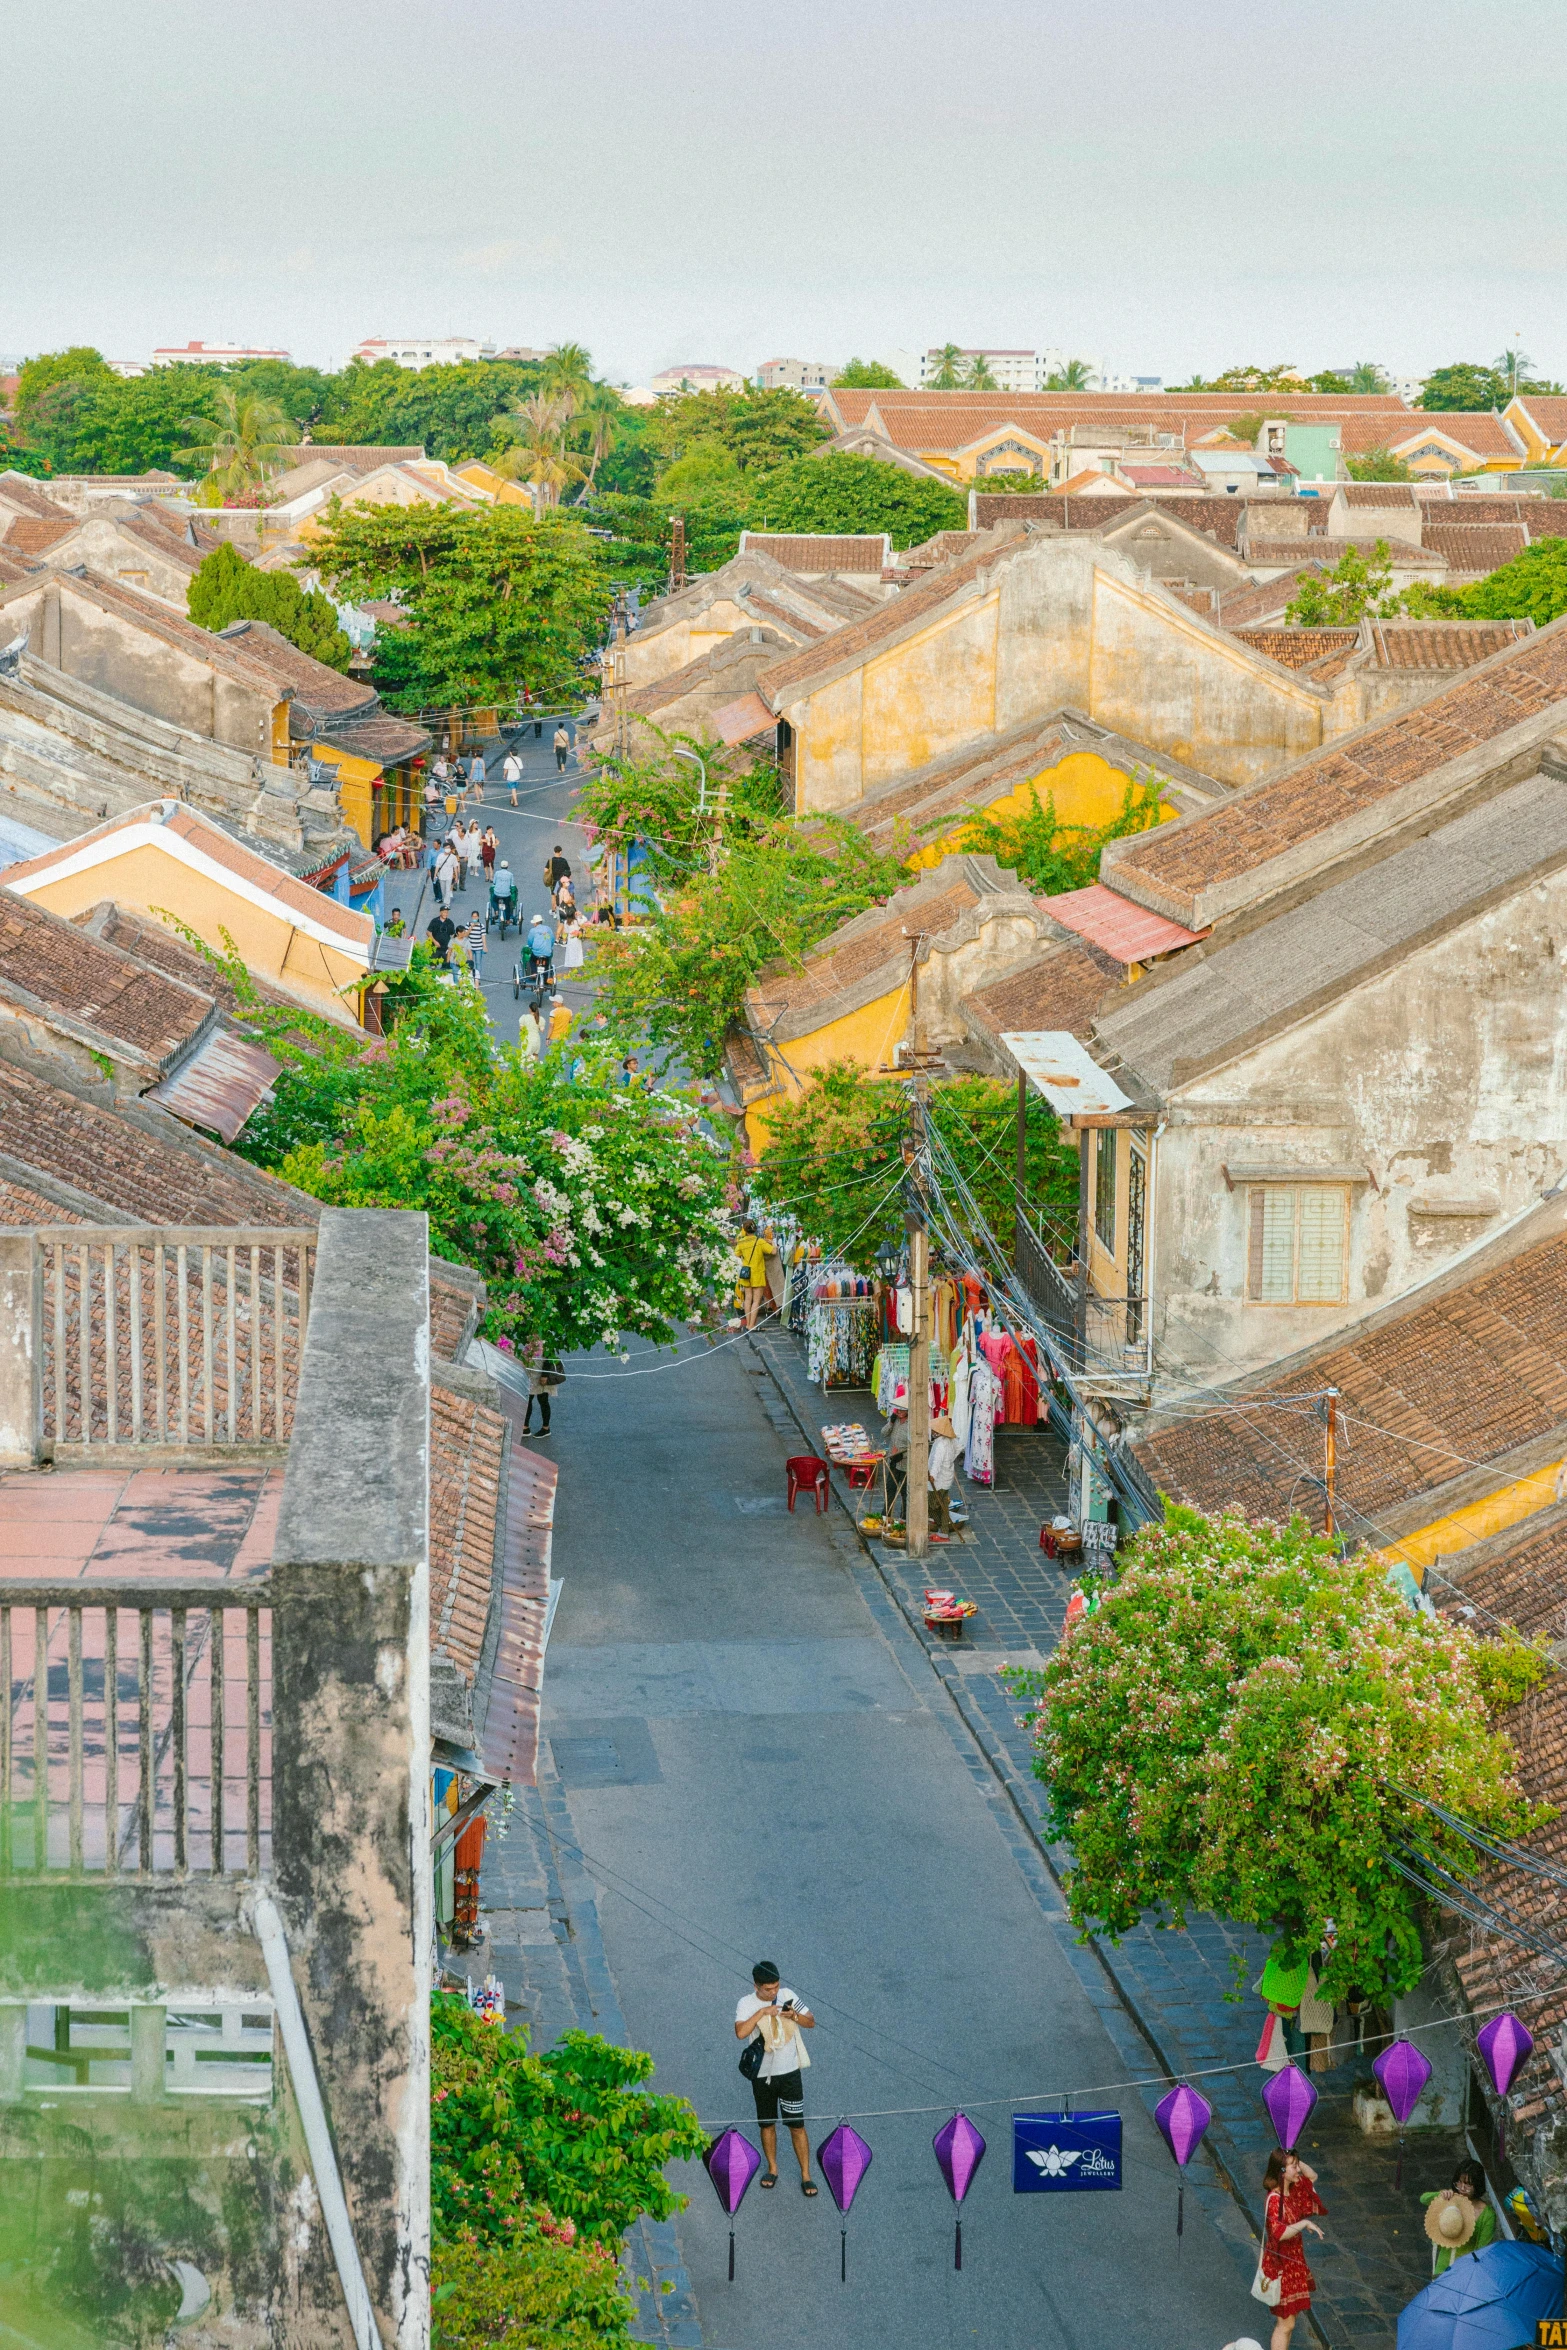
(677, 551)
(1330, 1460)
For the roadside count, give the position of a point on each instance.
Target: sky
(1168, 187)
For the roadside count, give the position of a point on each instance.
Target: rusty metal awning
(220, 1085)
(1056, 1065)
(738, 721)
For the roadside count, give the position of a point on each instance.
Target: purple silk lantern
(732, 2163)
(1507, 2046)
(960, 2150)
(844, 2158)
(1182, 2116)
(1289, 2098)
(1402, 2073)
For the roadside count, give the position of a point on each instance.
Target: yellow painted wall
(867, 1036)
(148, 880)
(356, 781)
(966, 464)
(1086, 789)
(1477, 1523)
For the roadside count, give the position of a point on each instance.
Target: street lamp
(699, 762)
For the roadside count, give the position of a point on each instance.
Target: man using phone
(774, 2015)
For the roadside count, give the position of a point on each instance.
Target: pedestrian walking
(440, 933)
(773, 2017)
(560, 1022)
(489, 850)
(630, 1070)
(753, 1249)
(557, 869)
(897, 1451)
(474, 938)
(530, 1033)
(448, 874)
(1459, 2218)
(476, 778)
(943, 1461)
(1290, 2206)
(473, 853)
(545, 1375)
(562, 746)
(511, 773)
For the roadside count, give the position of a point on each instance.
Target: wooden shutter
(1255, 1201)
(1270, 1270)
(1323, 1218)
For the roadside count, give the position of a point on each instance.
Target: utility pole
(1331, 1453)
(1022, 1164)
(677, 552)
(918, 1519)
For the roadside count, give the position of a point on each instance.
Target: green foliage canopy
(1051, 856)
(228, 588)
(1378, 465)
(497, 599)
(1357, 585)
(760, 430)
(1465, 387)
(1241, 1728)
(838, 492)
(658, 802)
(867, 375)
(834, 1157)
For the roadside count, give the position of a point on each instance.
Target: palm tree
(979, 377)
(568, 376)
(1367, 376)
(242, 446)
(539, 455)
(1073, 377)
(1514, 365)
(949, 369)
(600, 411)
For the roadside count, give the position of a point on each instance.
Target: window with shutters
(1105, 1188)
(1297, 1244)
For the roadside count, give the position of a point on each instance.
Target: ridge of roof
(904, 611)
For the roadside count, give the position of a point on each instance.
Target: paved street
(753, 1758)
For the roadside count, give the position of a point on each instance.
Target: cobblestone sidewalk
(1178, 1987)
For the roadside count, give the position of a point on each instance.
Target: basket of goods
(946, 1614)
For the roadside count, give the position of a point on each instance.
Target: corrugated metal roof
(1056, 1065)
(220, 1085)
(1128, 932)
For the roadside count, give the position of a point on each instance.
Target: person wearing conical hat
(1459, 2219)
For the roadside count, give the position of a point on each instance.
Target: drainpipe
(268, 1928)
(1149, 1238)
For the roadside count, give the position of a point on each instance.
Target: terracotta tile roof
(360, 456)
(1476, 549)
(730, 653)
(1244, 607)
(29, 534)
(1299, 648)
(151, 943)
(355, 930)
(1159, 477)
(21, 1206)
(76, 975)
(378, 736)
(20, 494)
(1547, 412)
(1545, 518)
(322, 690)
(783, 682)
(158, 620)
(467, 1445)
(1443, 644)
(1062, 986)
(510, 1729)
(1453, 1377)
(1127, 933)
(14, 568)
(1263, 820)
(800, 551)
(1093, 483)
(1381, 494)
(1482, 434)
(791, 990)
(793, 624)
(1325, 550)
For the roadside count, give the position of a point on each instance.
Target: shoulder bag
(751, 2056)
(1266, 2289)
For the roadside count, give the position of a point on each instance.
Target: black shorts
(783, 2094)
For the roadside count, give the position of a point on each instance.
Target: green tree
(1464, 388)
(1281, 376)
(1051, 856)
(126, 425)
(838, 492)
(1358, 586)
(1533, 586)
(705, 472)
(228, 588)
(600, 417)
(568, 375)
(658, 802)
(543, 2286)
(760, 430)
(1073, 377)
(867, 375)
(834, 1156)
(592, 1210)
(450, 412)
(949, 372)
(1378, 465)
(1246, 428)
(496, 599)
(538, 453)
(80, 365)
(680, 980)
(1244, 1725)
(638, 549)
(245, 445)
(979, 377)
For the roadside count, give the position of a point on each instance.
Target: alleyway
(752, 1758)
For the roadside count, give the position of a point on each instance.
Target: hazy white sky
(1171, 186)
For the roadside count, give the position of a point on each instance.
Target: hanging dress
(984, 1400)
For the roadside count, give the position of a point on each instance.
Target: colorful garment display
(840, 1341)
(984, 1409)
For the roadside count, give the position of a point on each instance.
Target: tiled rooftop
(117, 1525)
(1473, 548)
(803, 551)
(80, 977)
(1062, 986)
(1299, 648)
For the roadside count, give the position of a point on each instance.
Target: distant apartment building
(129, 368)
(795, 375)
(698, 376)
(203, 355)
(424, 350)
(1011, 371)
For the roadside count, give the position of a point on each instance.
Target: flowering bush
(1244, 1725)
(592, 1209)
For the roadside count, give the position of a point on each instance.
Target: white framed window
(1297, 1250)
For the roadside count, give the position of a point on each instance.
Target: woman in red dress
(1291, 2199)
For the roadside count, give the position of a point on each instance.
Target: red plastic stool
(808, 1475)
(863, 1472)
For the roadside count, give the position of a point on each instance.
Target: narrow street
(746, 1755)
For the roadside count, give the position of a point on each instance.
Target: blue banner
(1065, 2153)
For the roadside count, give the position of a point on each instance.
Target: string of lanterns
(1182, 2115)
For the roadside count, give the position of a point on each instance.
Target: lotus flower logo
(1052, 2161)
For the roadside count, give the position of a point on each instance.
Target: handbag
(751, 2056)
(1268, 2290)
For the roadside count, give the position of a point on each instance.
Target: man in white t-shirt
(511, 772)
(775, 2016)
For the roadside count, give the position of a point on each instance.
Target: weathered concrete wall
(104, 652)
(1446, 1077)
(351, 1712)
(654, 653)
(1061, 620)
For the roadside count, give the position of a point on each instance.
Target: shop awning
(220, 1085)
(1056, 1065)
